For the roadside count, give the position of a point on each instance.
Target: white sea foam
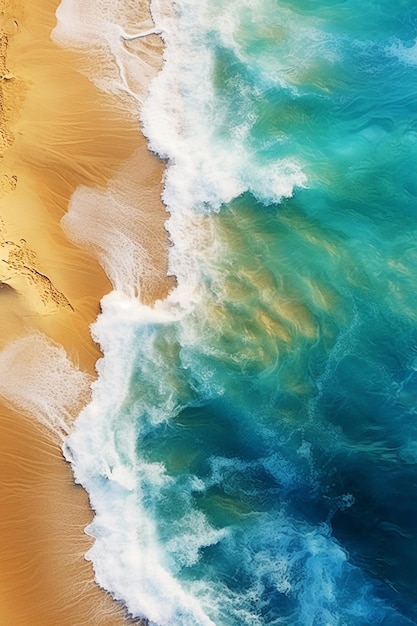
(101, 28)
(147, 351)
(183, 118)
(107, 223)
(184, 123)
(38, 377)
(128, 558)
(118, 58)
(190, 535)
(288, 41)
(207, 167)
(404, 53)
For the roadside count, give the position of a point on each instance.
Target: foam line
(151, 31)
(38, 377)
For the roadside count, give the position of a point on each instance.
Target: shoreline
(49, 285)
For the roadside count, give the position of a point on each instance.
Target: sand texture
(57, 131)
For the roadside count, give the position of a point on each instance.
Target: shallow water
(250, 449)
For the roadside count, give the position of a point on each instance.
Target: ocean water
(250, 449)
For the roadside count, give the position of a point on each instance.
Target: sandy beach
(58, 131)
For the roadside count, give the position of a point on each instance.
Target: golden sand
(57, 131)
(44, 578)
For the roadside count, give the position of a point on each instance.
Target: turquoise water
(251, 447)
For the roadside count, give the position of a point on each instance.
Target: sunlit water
(251, 446)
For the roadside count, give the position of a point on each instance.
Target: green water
(270, 424)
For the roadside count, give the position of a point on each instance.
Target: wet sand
(57, 131)
(44, 578)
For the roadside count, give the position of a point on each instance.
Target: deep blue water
(253, 454)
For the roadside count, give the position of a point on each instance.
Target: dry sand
(57, 131)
